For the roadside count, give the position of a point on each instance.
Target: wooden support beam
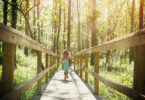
(74, 63)
(46, 65)
(8, 69)
(139, 68)
(86, 65)
(50, 72)
(39, 64)
(78, 64)
(12, 36)
(96, 70)
(81, 71)
(130, 40)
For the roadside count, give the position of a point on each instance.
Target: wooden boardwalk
(71, 89)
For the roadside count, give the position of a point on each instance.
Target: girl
(66, 63)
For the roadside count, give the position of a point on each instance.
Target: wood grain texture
(135, 94)
(12, 36)
(130, 40)
(16, 93)
(8, 68)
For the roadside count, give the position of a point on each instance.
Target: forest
(74, 25)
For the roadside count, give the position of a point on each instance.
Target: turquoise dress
(65, 65)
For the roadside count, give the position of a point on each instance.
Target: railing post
(74, 63)
(8, 69)
(39, 55)
(81, 66)
(139, 68)
(86, 65)
(46, 65)
(96, 70)
(78, 64)
(50, 71)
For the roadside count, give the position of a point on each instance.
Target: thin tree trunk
(5, 10)
(59, 27)
(14, 19)
(69, 25)
(64, 44)
(34, 22)
(93, 35)
(78, 35)
(26, 26)
(38, 23)
(131, 53)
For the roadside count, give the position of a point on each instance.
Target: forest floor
(27, 64)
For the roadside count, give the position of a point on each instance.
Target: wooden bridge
(56, 88)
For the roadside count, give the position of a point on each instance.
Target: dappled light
(72, 49)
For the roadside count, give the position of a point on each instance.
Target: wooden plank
(139, 68)
(8, 68)
(46, 65)
(12, 36)
(16, 93)
(74, 63)
(72, 89)
(50, 72)
(39, 64)
(96, 70)
(137, 95)
(130, 40)
(86, 65)
(81, 71)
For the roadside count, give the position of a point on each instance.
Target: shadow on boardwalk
(72, 89)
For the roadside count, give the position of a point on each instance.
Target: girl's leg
(67, 74)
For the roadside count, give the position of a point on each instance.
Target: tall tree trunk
(14, 19)
(64, 43)
(42, 32)
(139, 57)
(38, 23)
(69, 25)
(93, 35)
(14, 13)
(59, 27)
(78, 33)
(131, 53)
(26, 26)
(5, 10)
(34, 22)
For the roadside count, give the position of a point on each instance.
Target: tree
(131, 55)
(78, 33)
(93, 28)
(69, 25)
(38, 23)
(26, 25)
(5, 10)
(59, 27)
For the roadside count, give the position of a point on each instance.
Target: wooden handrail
(12, 36)
(130, 40)
(21, 89)
(119, 87)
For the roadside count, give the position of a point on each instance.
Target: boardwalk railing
(131, 40)
(10, 38)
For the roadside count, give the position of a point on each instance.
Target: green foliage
(117, 75)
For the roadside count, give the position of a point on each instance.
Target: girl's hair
(66, 55)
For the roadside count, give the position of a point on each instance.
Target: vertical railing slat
(8, 68)
(86, 65)
(46, 65)
(39, 64)
(96, 70)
